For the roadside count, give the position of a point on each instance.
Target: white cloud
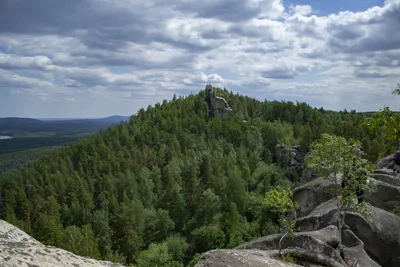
(126, 50)
(16, 62)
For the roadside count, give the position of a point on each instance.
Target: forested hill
(171, 182)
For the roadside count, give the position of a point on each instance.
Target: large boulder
(321, 243)
(313, 193)
(386, 162)
(386, 177)
(19, 249)
(380, 235)
(353, 252)
(241, 258)
(379, 232)
(386, 196)
(370, 241)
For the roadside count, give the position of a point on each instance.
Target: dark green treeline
(170, 177)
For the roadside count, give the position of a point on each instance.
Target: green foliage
(280, 200)
(331, 156)
(335, 158)
(20, 159)
(194, 261)
(291, 257)
(170, 175)
(177, 247)
(396, 210)
(80, 241)
(207, 238)
(157, 255)
(385, 123)
(397, 90)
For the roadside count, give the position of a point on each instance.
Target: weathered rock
(386, 162)
(296, 155)
(321, 242)
(328, 236)
(357, 257)
(19, 249)
(217, 104)
(385, 196)
(380, 235)
(313, 193)
(241, 258)
(386, 178)
(371, 242)
(354, 253)
(379, 232)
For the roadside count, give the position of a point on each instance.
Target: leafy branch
(280, 200)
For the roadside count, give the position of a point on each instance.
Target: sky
(95, 58)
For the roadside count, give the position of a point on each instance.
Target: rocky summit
(368, 242)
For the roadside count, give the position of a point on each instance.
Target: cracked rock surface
(368, 242)
(18, 249)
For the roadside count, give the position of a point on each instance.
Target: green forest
(20, 159)
(172, 182)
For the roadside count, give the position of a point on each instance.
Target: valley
(25, 140)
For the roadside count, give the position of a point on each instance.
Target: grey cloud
(305, 26)
(15, 62)
(315, 53)
(53, 16)
(99, 24)
(369, 74)
(339, 31)
(285, 71)
(372, 31)
(266, 50)
(227, 10)
(278, 74)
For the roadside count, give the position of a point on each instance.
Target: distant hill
(8, 125)
(15, 126)
(114, 119)
(28, 133)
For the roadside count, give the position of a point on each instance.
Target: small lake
(2, 137)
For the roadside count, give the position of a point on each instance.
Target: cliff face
(368, 242)
(216, 104)
(19, 249)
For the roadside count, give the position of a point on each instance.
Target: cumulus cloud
(8, 61)
(126, 50)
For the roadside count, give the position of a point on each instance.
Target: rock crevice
(368, 242)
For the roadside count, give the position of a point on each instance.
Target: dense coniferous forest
(171, 182)
(19, 159)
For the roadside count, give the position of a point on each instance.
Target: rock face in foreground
(368, 242)
(241, 258)
(19, 249)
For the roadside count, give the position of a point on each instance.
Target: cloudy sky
(94, 58)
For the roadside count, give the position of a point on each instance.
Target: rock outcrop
(296, 158)
(217, 104)
(18, 249)
(373, 241)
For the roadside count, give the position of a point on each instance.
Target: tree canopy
(339, 161)
(171, 171)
